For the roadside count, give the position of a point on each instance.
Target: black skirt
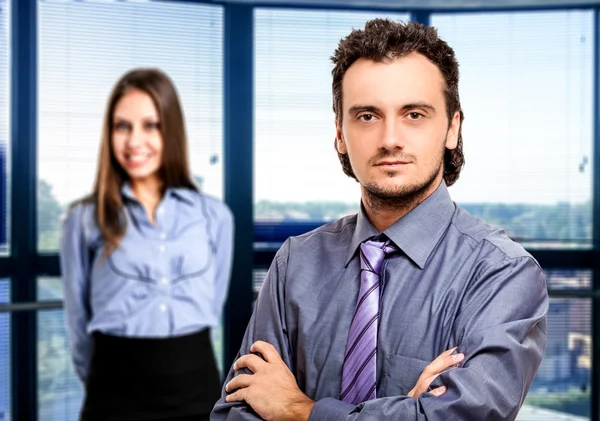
(138, 379)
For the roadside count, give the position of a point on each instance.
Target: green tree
(56, 378)
(49, 214)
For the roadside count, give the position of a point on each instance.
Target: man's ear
(453, 130)
(340, 145)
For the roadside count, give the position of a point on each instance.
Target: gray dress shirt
(457, 282)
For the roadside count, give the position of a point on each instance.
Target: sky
(526, 90)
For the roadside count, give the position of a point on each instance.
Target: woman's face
(137, 140)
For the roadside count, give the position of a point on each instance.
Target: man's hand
(444, 361)
(272, 390)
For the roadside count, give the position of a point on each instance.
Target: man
(350, 314)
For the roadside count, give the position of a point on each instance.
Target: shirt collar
(417, 232)
(182, 193)
(127, 192)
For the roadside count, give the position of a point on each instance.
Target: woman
(145, 265)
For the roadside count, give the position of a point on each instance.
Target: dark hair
(383, 40)
(110, 177)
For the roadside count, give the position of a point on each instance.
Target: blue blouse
(165, 279)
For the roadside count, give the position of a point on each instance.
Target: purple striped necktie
(359, 375)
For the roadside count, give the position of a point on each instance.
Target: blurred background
(255, 82)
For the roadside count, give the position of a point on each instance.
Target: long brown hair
(384, 39)
(174, 171)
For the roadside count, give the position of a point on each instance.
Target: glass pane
(258, 279)
(293, 117)
(60, 393)
(561, 390)
(5, 366)
(84, 47)
(569, 279)
(526, 89)
(217, 342)
(49, 289)
(4, 123)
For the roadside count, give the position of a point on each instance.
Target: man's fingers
(443, 362)
(239, 382)
(427, 382)
(447, 352)
(438, 391)
(424, 386)
(251, 361)
(267, 350)
(238, 396)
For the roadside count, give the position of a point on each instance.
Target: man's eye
(415, 116)
(366, 117)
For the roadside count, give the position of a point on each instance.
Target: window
(49, 289)
(561, 389)
(84, 47)
(60, 394)
(4, 122)
(5, 336)
(294, 121)
(527, 90)
(557, 279)
(5, 365)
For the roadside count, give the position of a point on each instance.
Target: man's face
(394, 125)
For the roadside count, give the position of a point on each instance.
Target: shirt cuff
(329, 409)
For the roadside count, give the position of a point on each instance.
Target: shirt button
(161, 211)
(163, 235)
(163, 308)
(162, 248)
(164, 281)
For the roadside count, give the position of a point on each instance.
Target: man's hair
(385, 40)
